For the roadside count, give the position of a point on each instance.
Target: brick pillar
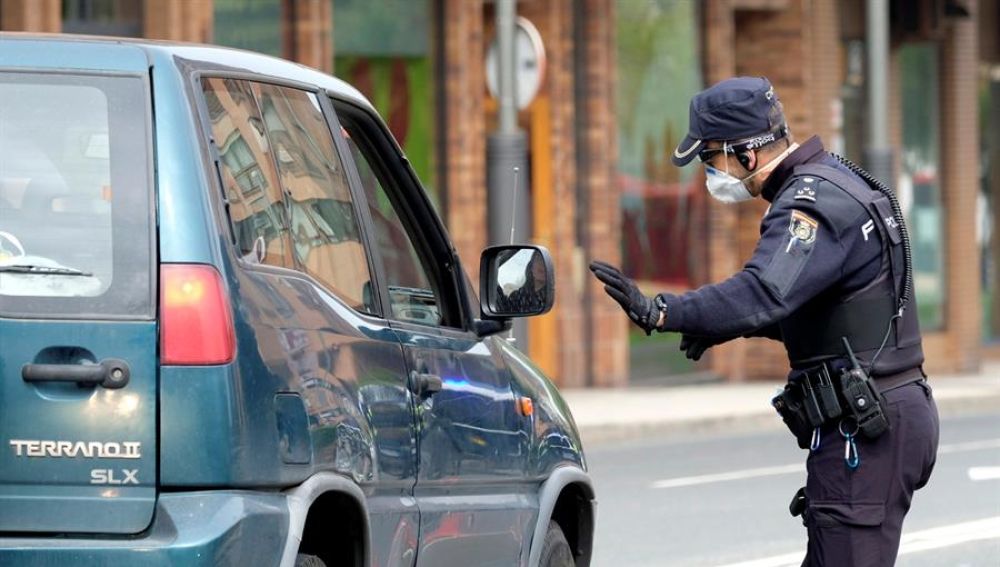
(825, 74)
(550, 123)
(308, 33)
(771, 42)
(609, 346)
(465, 128)
(573, 351)
(31, 15)
(191, 20)
(723, 249)
(960, 186)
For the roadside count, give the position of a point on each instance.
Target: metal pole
(507, 151)
(878, 154)
(505, 13)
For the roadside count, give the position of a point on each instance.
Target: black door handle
(112, 373)
(424, 385)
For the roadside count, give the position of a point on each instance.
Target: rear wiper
(43, 270)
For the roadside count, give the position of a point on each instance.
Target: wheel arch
(301, 500)
(567, 497)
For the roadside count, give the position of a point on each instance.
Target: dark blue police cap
(734, 109)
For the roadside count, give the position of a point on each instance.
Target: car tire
(555, 549)
(302, 560)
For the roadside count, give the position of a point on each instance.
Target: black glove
(641, 310)
(694, 347)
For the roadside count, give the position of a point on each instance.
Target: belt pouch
(863, 400)
(788, 404)
(827, 394)
(810, 401)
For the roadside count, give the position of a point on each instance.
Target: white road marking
(969, 446)
(734, 475)
(800, 467)
(984, 473)
(924, 540)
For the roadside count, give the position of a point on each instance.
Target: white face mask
(727, 188)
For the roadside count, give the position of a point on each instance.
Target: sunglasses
(706, 155)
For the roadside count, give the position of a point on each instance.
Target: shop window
(658, 71)
(388, 55)
(121, 18)
(249, 25)
(663, 207)
(920, 177)
(988, 218)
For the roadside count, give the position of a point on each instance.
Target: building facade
(612, 106)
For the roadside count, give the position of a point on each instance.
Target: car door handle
(424, 385)
(111, 373)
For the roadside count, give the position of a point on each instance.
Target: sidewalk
(606, 415)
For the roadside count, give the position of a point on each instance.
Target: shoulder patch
(802, 227)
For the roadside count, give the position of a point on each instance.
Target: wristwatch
(661, 304)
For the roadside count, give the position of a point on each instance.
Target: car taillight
(196, 323)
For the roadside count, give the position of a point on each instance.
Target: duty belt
(825, 394)
(899, 379)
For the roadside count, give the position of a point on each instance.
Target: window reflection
(323, 226)
(920, 182)
(249, 180)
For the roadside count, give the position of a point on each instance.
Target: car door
(78, 333)
(306, 280)
(471, 492)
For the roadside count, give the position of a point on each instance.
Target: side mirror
(516, 281)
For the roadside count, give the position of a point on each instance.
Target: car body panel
(471, 489)
(74, 458)
(220, 528)
(317, 390)
(555, 440)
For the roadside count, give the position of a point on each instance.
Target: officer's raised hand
(642, 310)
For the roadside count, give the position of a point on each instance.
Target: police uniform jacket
(828, 264)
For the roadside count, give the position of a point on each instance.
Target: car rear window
(75, 205)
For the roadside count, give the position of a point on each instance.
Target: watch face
(529, 64)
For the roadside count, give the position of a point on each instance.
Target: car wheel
(555, 549)
(308, 561)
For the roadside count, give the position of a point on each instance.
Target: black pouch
(863, 401)
(789, 405)
(826, 393)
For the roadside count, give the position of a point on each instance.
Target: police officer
(830, 278)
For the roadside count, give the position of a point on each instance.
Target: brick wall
(31, 15)
(178, 21)
(308, 33)
(959, 70)
(609, 348)
(465, 127)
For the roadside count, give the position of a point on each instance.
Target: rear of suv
(233, 331)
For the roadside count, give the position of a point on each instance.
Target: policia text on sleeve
(830, 278)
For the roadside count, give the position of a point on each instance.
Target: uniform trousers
(855, 517)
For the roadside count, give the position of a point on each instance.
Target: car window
(75, 204)
(290, 203)
(253, 195)
(412, 297)
(325, 233)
